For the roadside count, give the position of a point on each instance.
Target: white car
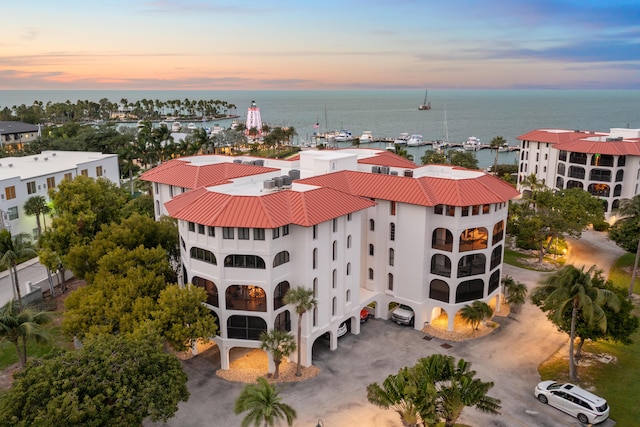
(585, 406)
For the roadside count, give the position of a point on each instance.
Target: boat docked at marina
(176, 127)
(402, 139)
(366, 137)
(342, 136)
(191, 126)
(415, 140)
(472, 144)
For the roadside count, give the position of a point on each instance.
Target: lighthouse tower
(253, 119)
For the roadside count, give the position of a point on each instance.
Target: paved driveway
(509, 357)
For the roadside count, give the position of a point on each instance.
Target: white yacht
(366, 137)
(176, 127)
(402, 139)
(343, 135)
(472, 144)
(415, 140)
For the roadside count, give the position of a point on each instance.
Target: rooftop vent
(614, 139)
(395, 173)
(269, 185)
(35, 159)
(385, 170)
(237, 161)
(10, 165)
(294, 174)
(278, 181)
(286, 180)
(408, 172)
(46, 158)
(375, 169)
(259, 162)
(53, 154)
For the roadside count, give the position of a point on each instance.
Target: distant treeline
(105, 110)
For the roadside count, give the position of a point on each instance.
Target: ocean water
(463, 113)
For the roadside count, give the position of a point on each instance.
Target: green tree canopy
(465, 159)
(110, 381)
(434, 157)
(303, 300)
(19, 326)
(475, 313)
(280, 344)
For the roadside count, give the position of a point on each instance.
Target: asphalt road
(509, 357)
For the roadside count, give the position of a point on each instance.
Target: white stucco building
(606, 164)
(358, 226)
(24, 177)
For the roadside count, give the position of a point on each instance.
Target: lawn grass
(617, 381)
(514, 258)
(58, 339)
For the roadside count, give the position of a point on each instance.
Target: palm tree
(516, 292)
(20, 325)
(37, 205)
(280, 344)
(572, 289)
(263, 405)
(397, 392)
(303, 301)
(476, 313)
(12, 249)
(495, 144)
(630, 210)
(460, 389)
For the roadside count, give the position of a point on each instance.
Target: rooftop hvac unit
(395, 173)
(278, 181)
(385, 170)
(269, 184)
(294, 174)
(375, 169)
(53, 154)
(614, 139)
(237, 161)
(247, 162)
(46, 158)
(408, 172)
(286, 180)
(35, 159)
(259, 162)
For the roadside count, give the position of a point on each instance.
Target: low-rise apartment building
(361, 227)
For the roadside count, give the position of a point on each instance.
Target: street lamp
(320, 423)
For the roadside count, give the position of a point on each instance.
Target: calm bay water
(481, 113)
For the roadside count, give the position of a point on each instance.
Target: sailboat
(439, 145)
(426, 105)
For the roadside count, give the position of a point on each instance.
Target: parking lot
(509, 357)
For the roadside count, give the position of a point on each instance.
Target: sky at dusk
(330, 44)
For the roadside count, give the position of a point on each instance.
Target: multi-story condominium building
(606, 164)
(361, 227)
(28, 176)
(17, 133)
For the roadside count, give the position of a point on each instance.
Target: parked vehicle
(403, 315)
(342, 330)
(364, 315)
(582, 404)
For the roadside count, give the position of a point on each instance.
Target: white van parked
(585, 406)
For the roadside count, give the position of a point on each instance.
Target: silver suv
(585, 406)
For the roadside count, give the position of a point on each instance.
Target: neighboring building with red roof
(361, 227)
(605, 164)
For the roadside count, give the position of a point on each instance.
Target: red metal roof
(386, 158)
(584, 142)
(423, 191)
(271, 210)
(183, 173)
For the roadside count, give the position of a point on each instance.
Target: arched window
(315, 316)
(334, 306)
(280, 258)
(392, 231)
(283, 321)
(469, 290)
(334, 278)
(210, 287)
(439, 290)
(349, 241)
(602, 175)
(620, 176)
(559, 183)
(574, 184)
(621, 161)
(441, 265)
(615, 205)
(371, 249)
(245, 327)
(314, 260)
(246, 298)
(279, 293)
(371, 274)
(392, 255)
(473, 239)
(389, 281)
(348, 269)
(617, 190)
(334, 250)
(561, 169)
(578, 158)
(602, 160)
(498, 232)
(494, 281)
(315, 287)
(472, 265)
(203, 255)
(576, 172)
(372, 225)
(442, 239)
(599, 190)
(244, 261)
(348, 295)
(496, 257)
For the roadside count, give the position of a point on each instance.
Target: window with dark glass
(258, 234)
(200, 229)
(211, 231)
(275, 233)
(227, 233)
(281, 258)
(203, 255)
(192, 226)
(392, 231)
(244, 261)
(243, 233)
